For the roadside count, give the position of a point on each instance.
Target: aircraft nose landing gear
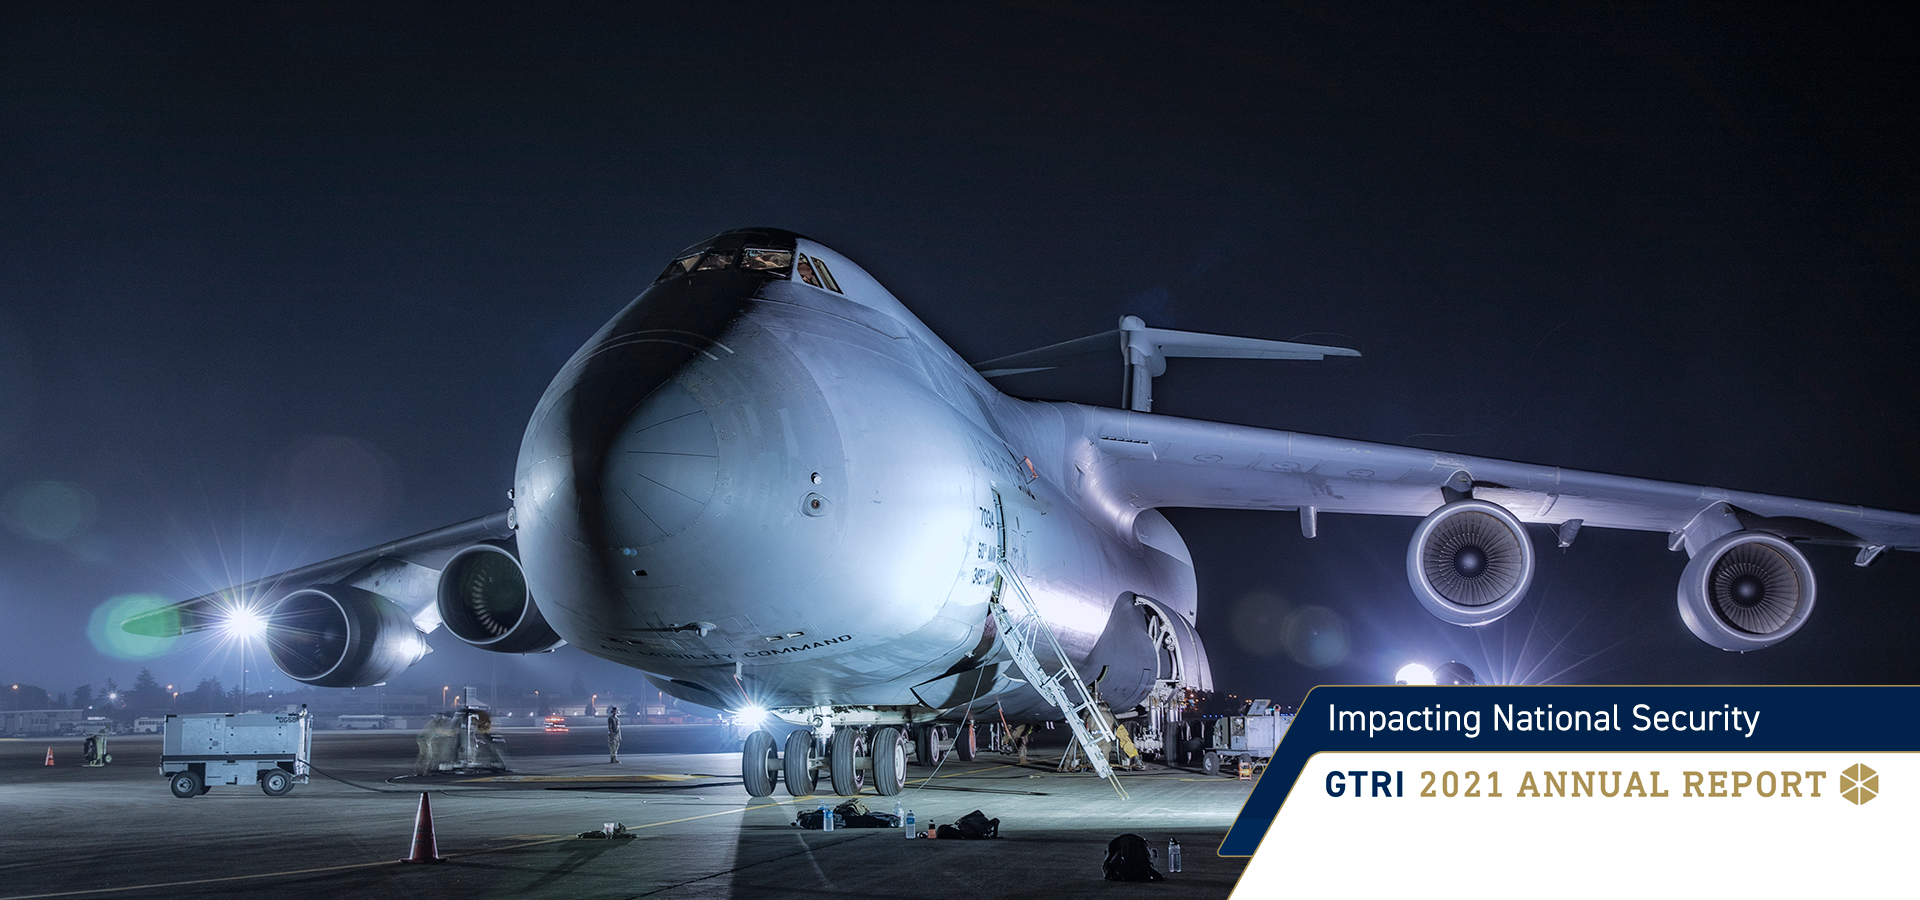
(851, 753)
(798, 766)
(889, 760)
(844, 752)
(759, 765)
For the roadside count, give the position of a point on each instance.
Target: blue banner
(1598, 719)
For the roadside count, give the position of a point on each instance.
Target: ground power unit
(267, 749)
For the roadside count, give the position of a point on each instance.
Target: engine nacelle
(1745, 591)
(484, 601)
(1470, 562)
(333, 635)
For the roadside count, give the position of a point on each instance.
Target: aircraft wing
(1149, 461)
(414, 560)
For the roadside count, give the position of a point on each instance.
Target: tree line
(147, 696)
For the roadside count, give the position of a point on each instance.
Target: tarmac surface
(69, 831)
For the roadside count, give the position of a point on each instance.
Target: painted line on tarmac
(368, 865)
(169, 884)
(573, 779)
(932, 777)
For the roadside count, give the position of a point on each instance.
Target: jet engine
(333, 635)
(1745, 591)
(1470, 562)
(484, 601)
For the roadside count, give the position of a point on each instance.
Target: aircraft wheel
(844, 750)
(1210, 763)
(889, 760)
(757, 764)
(797, 767)
(276, 783)
(963, 745)
(926, 745)
(186, 785)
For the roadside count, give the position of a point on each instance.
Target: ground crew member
(613, 734)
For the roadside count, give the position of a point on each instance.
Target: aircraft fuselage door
(1000, 523)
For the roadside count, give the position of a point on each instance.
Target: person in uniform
(613, 734)
(1022, 735)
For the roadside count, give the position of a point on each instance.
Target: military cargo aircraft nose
(615, 398)
(661, 467)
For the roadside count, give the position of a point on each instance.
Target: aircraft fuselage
(774, 493)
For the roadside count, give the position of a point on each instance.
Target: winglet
(1144, 350)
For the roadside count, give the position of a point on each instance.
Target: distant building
(35, 722)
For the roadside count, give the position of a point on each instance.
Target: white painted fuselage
(767, 492)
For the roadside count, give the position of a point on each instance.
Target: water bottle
(1173, 855)
(826, 817)
(906, 825)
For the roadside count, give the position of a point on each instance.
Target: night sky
(287, 283)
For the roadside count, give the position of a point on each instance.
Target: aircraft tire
(963, 745)
(926, 749)
(889, 760)
(843, 760)
(757, 761)
(797, 767)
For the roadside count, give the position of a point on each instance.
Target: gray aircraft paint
(773, 493)
(883, 569)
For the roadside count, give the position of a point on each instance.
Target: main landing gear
(851, 755)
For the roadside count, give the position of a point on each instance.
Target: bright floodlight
(751, 714)
(245, 623)
(1413, 673)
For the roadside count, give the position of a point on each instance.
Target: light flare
(751, 716)
(245, 623)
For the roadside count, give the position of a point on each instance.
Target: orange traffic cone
(425, 848)
(49, 756)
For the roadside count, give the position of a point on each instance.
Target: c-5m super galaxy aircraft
(766, 484)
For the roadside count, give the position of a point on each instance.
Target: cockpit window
(805, 269)
(680, 266)
(767, 253)
(761, 259)
(827, 276)
(716, 259)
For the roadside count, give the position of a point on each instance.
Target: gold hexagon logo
(1859, 784)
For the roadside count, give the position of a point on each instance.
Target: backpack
(812, 819)
(1129, 859)
(851, 814)
(976, 825)
(868, 820)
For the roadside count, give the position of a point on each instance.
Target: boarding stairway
(1062, 687)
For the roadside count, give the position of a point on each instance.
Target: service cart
(268, 749)
(1247, 739)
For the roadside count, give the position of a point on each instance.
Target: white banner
(1421, 826)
